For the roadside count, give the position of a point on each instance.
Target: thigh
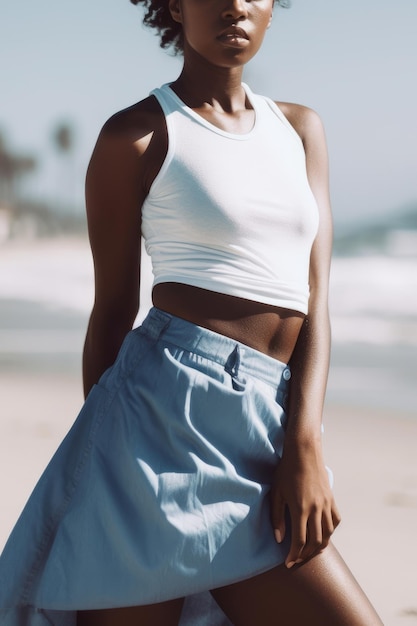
(162, 614)
(321, 591)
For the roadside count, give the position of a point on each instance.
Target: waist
(265, 328)
(235, 358)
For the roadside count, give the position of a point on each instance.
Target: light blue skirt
(160, 489)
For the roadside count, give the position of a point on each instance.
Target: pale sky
(354, 62)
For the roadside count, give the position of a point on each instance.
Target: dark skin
(128, 155)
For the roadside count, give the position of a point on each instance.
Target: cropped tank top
(232, 213)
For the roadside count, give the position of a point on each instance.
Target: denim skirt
(160, 489)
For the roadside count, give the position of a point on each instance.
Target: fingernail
(278, 536)
(298, 561)
(290, 564)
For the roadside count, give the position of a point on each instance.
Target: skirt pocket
(196, 366)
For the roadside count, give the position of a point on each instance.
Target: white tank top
(232, 213)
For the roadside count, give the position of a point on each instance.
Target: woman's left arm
(301, 482)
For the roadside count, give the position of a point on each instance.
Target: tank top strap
(166, 99)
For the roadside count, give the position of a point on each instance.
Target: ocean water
(46, 293)
(373, 303)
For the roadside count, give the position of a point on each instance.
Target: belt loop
(156, 322)
(232, 368)
(233, 362)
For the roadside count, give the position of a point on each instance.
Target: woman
(196, 463)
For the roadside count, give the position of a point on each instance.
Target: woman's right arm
(115, 191)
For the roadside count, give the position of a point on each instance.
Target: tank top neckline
(201, 120)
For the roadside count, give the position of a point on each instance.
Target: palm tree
(64, 142)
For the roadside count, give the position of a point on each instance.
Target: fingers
(328, 529)
(298, 539)
(311, 533)
(307, 497)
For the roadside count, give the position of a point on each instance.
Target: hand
(301, 483)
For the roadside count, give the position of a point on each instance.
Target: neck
(201, 83)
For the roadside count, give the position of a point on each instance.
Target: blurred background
(64, 69)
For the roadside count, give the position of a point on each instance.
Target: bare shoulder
(135, 122)
(133, 138)
(306, 122)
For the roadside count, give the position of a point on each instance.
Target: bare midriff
(269, 329)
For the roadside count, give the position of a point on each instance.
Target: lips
(233, 32)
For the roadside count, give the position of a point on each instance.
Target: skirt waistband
(216, 347)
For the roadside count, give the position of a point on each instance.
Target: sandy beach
(371, 450)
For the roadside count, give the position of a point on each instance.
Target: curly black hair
(158, 16)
